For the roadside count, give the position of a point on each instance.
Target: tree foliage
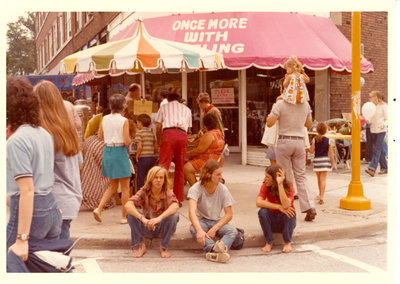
(21, 52)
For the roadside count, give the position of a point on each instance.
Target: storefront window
(262, 89)
(223, 87)
(154, 82)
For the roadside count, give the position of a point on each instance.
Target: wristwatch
(23, 237)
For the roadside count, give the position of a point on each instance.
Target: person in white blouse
(378, 132)
(114, 131)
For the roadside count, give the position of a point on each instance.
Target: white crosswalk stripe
(352, 261)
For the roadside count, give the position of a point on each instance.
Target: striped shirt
(174, 114)
(146, 137)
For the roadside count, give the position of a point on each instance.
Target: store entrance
(223, 87)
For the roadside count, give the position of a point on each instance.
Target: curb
(186, 242)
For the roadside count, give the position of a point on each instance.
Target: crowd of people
(50, 171)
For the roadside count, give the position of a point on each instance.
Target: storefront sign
(142, 106)
(212, 33)
(223, 96)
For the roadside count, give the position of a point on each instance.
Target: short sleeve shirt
(30, 153)
(67, 184)
(266, 194)
(174, 114)
(291, 117)
(151, 208)
(146, 137)
(210, 206)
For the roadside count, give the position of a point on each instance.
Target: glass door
(223, 88)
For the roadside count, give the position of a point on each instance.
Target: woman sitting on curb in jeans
(277, 213)
(159, 212)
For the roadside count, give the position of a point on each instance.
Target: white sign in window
(223, 96)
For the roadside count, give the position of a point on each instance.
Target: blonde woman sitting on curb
(159, 212)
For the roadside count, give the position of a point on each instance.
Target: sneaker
(221, 257)
(124, 221)
(219, 247)
(383, 172)
(97, 215)
(370, 172)
(311, 213)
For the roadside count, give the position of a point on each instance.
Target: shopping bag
(270, 135)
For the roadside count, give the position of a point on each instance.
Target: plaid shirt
(153, 208)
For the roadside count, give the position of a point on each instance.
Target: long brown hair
(55, 119)
(272, 170)
(209, 167)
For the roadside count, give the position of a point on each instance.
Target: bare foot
(287, 247)
(164, 253)
(140, 251)
(267, 247)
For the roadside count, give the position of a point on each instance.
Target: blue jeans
(164, 230)
(378, 156)
(227, 233)
(276, 222)
(143, 167)
(370, 146)
(66, 224)
(46, 219)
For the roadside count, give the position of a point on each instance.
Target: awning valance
(141, 52)
(261, 39)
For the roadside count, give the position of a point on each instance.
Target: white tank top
(113, 128)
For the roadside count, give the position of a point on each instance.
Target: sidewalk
(244, 183)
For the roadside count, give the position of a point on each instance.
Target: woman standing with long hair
(114, 131)
(159, 212)
(67, 184)
(34, 213)
(378, 133)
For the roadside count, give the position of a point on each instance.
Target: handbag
(239, 240)
(270, 135)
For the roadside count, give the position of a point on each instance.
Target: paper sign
(142, 106)
(223, 96)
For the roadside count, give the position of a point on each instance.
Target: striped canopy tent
(141, 53)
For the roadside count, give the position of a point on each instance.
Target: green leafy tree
(21, 52)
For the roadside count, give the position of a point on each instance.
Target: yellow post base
(355, 199)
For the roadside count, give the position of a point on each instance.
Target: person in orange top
(209, 146)
(295, 90)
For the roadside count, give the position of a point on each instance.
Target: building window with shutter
(69, 26)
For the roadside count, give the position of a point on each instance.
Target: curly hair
(210, 121)
(117, 103)
(22, 103)
(295, 63)
(272, 170)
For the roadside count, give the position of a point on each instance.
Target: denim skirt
(115, 163)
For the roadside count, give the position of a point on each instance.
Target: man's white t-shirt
(210, 206)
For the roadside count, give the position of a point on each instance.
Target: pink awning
(261, 39)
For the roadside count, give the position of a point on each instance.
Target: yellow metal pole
(355, 199)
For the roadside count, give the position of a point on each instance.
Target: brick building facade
(374, 37)
(60, 34)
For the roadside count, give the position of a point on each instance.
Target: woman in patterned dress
(209, 146)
